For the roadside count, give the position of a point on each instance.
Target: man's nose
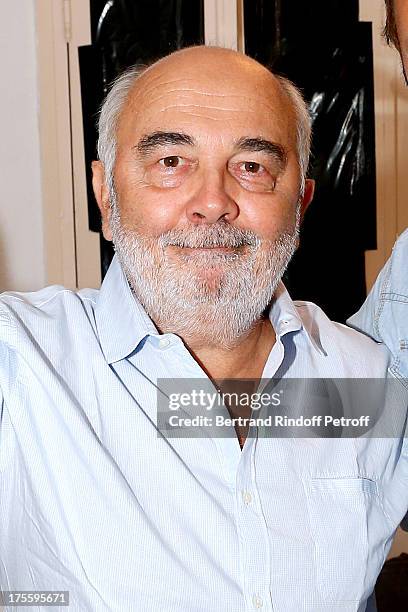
(213, 202)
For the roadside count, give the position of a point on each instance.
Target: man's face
(206, 199)
(401, 21)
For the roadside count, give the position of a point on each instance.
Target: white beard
(215, 298)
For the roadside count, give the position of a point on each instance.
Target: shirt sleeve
(6, 365)
(3, 368)
(383, 316)
(367, 318)
(380, 316)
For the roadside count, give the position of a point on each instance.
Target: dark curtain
(324, 50)
(127, 32)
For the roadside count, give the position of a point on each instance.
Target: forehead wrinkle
(154, 100)
(172, 87)
(194, 84)
(250, 107)
(219, 114)
(201, 93)
(203, 106)
(143, 108)
(217, 117)
(184, 93)
(152, 87)
(207, 87)
(182, 81)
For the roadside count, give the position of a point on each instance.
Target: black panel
(322, 48)
(127, 32)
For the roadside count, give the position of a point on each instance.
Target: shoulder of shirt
(18, 309)
(398, 280)
(314, 320)
(402, 240)
(47, 297)
(332, 336)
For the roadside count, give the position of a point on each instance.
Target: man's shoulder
(316, 321)
(384, 314)
(336, 340)
(50, 306)
(402, 241)
(45, 300)
(398, 281)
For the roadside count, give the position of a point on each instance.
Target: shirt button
(246, 497)
(257, 601)
(164, 342)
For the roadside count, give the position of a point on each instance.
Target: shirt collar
(285, 318)
(122, 322)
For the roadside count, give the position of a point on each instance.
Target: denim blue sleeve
(384, 314)
(367, 318)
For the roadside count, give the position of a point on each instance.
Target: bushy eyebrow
(259, 145)
(148, 143)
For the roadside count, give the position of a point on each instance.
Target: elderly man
(201, 184)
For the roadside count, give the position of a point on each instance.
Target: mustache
(217, 235)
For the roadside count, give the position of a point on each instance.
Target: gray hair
(118, 94)
(303, 126)
(109, 115)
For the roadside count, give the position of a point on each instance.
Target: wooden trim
(386, 126)
(240, 26)
(402, 153)
(87, 243)
(221, 23)
(55, 144)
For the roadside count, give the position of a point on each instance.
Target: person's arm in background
(384, 314)
(367, 318)
(384, 317)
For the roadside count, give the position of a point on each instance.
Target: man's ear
(101, 192)
(307, 197)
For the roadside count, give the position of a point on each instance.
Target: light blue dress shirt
(93, 501)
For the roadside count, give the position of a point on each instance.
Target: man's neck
(246, 360)
(229, 368)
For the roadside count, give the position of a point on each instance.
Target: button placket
(246, 497)
(257, 602)
(253, 535)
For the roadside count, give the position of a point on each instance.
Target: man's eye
(171, 161)
(252, 167)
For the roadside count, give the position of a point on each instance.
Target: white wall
(21, 234)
